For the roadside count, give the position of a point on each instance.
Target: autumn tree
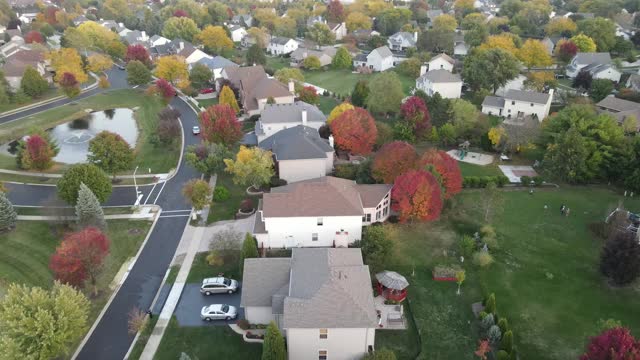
(504, 41)
(613, 344)
(600, 89)
(66, 60)
(533, 53)
(169, 128)
(415, 114)
(110, 152)
(80, 257)
(584, 43)
(42, 324)
(338, 110)
(358, 21)
(392, 160)
(620, 259)
(255, 55)
(207, 158)
(309, 95)
(70, 85)
(355, 131)
(321, 34)
(259, 36)
(560, 26)
(103, 82)
(180, 27)
(99, 63)
(385, 93)
(252, 166)
(32, 83)
(447, 169)
(445, 22)
(89, 174)
(215, 39)
(416, 195)
(285, 75)
(8, 215)
(490, 69)
(342, 59)
(38, 154)
(227, 97)
(311, 63)
(360, 93)
(34, 37)
(174, 69)
(220, 125)
(163, 88)
(601, 30)
(138, 52)
(137, 73)
(335, 11)
(88, 209)
(197, 193)
(99, 36)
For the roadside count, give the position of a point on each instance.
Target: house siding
(610, 74)
(340, 344)
(304, 169)
(258, 314)
(381, 212)
(525, 108)
(449, 90)
(290, 232)
(440, 63)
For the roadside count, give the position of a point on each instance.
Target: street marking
(160, 192)
(150, 192)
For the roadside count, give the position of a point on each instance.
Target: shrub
(467, 246)
(488, 321)
(525, 180)
(246, 205)
(490, 304)
(503, 324)
(501, 180)
(487, 231)
(491, 241)
(482, 258)
(494, 334)
(445, 271)
(346, 171)
(220, 193)
(243, 324)
(537, 180)
(507, 341)
(483, 181)
(482, 315)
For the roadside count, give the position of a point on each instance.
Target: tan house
(324, 55)
(17, 63)
(620, 109)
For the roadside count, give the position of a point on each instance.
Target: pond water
(73, 137)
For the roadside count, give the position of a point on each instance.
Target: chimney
(423, 69)
(292, 89)
(304, 117)
(415, 36)
(181, 45)
(144, 35)
(331, 140)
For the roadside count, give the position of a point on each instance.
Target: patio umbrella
(392, 280)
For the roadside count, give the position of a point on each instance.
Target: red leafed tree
(414, 111)
(34, 37)
(335, 11)
(138, 52)
(483, 349)
(165, 89)
(355, 131)
(180, 13)
(613, 344)
(448, 169)
(50, 15)
(80, 257)
(392, 160)
(229, 12)
(70, 85)
(309, 95)
(416, 195)
(567, 50)
(220, 125)
(38, 153)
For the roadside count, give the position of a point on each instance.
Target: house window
(324, 333)
(513, 103)
(322, 355)
(320, 222)
(366, 218)
(314, 237)
(377, 215)
(385, 211)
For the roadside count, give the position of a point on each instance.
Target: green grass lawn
(326, 104)
(208, 102)
(201, 269)
(50, 93)
(226, 210)
(148, 155)
(545, 277)
(479, 170)
(342, 82)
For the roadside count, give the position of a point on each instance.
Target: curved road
(110, 339)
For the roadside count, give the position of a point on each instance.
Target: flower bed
(445, 272)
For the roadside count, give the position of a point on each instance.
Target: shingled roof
(297, 143)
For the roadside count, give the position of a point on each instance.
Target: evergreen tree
(88, 209)
(8, 214)
(507, 341)
(360, 93)
(342, 59)
(273, 347)
(249, 250)
(255, 55)
(227, 97)
(33, 84)
(490, 304)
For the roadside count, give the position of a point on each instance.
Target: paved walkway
(145, 212)
(53, 175)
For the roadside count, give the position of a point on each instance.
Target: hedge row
(482, 181)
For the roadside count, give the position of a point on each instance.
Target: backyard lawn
(226, 210)
(342, 82)
(479, 170)
(545, 275)
(208, 102)
(326, 104)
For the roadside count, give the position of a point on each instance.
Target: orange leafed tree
(392, 160)
(355, 131)
(416, 195)
(220, 125)
(448, 169)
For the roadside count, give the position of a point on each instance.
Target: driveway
(191, 302)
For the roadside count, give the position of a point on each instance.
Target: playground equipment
(463, 149)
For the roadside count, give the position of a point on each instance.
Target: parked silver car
(218, 312)
(218, 285)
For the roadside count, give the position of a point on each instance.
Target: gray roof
(286, 113)
(262, 278)
(383, 51)
(615, 104)
(596, 68)
(527, 96)
(329, 288)
(593, 57)
(403, 35)
(280, 40)
(444, 56)
(493, 101)
(360, 57)
(296, 143)
(432, 14)
(441, 76)
(216, 62)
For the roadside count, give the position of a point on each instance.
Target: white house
(460, 47)
(441, 81)
(338, 29)
(237, 33)
(322, 212)
(583, 59)
(441, 61)
(518, 103)
(603, 71)
(278, 117)
(320, 298)
(379, 59)
(401, 41)
(216, 64)
(281, 45)
(156, 40)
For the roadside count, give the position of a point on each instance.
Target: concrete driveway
(191, 302)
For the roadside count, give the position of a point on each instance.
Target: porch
(391, 317)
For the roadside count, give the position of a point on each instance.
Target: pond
(73, 137)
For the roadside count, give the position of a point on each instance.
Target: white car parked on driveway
(218, 312)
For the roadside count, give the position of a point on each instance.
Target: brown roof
(325, 196)
(371, 195)
(253, 84)
(17, 63)
(248, 75)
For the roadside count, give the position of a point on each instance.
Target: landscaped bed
(227, 209)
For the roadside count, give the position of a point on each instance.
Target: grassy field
(226, 210)
(326, 104)
(343, 81)
(208, 102)
(50, 93)
(148, 155)
(479, 170)
(545, 277)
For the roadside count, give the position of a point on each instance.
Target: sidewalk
(145, 213)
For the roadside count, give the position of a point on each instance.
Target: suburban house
(179, 47)
(216, 64)
(325, 55)
(441, 61)
(620, 109)
(338, 29)
(518, 103)
(13, 46)
(362, 36)
(583, 59)
(278, 117)
(432, 15)
(603, 71)
(237, 33)
(460, 47)
(17, 63)
(255, 88)
(320, 298)
(441, 81)
(281, 45)
(401, 41)
(300, 153)
(242, 20)
(379, 59)
(321, 212)
(156, 40)
(136, 37)
(549, 44)
(634, 82)
(79, 20)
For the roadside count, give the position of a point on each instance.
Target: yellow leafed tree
(173, 69)
(445, 22)
(495, 135)
(215, 38)
(560, 25)
(533, 53)
(339, 110)
(252, 166)
(502, 41)
(229, 98)
(99, 63)
(357, 21)
(584, 43)
(67, 60)
(99, 36)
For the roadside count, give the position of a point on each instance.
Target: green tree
(42, 324)
(138, 73)
(464, 116)
(228, 97)
(110, 152)
(256, 56)
(390, 21)
(252, 166)
(197, 193)
(490, 69)
(385, 93)
(180, 27)
(381, 354)
(207, 158)
(249, 250)
(200, 76)
(360, 93)
(88, 209)
(342, 59)
(567, 158)
(285, 75)
(311, 63)
(601, 30)
(507, 341)
(90, 175)
(321, 34)
(584, 43)
(376, 248)
(273, 346)
(600, 89)
(490, 304)
(8, 214)
(32, 83)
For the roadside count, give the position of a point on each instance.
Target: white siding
(440, 63)
(340, 344)
(513, 108)
(448, 90)
(379, 213)
(610, 74)
(298, 170)
(270, 129)
(491, 110)
(258, 314)
(195, 56)
(297, 231)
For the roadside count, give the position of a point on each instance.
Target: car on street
(218, 312)
(206, 91)
(218, 285)
(195, 130)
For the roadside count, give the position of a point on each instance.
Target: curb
(115, 292)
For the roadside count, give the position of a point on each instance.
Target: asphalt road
(110, 339)
(191, 302)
